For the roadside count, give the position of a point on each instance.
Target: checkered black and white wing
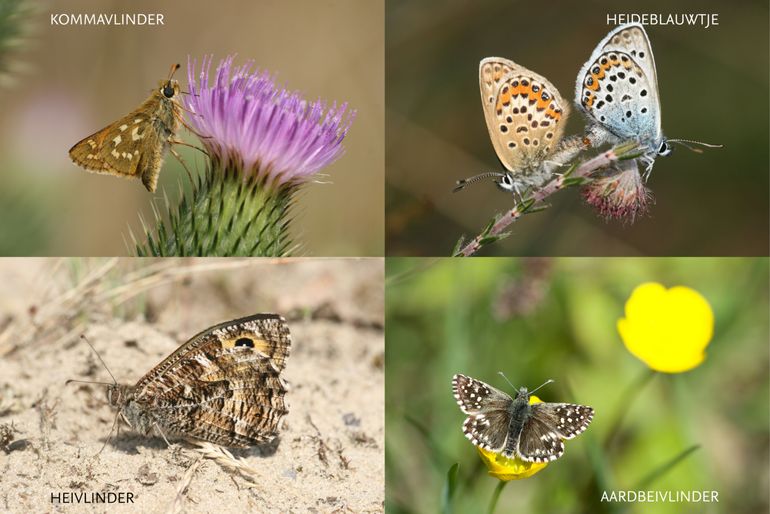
(488, 410)
(541, 438)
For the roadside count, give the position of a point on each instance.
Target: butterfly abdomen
(519, 413)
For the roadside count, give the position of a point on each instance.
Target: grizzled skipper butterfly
(134, 145)
(221, 386)
(501, 424)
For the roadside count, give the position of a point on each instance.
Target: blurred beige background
(78, 79)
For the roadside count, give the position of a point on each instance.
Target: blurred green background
(69, 81)
(714, 88)
(538, 318)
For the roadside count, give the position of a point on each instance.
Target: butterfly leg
(188, 127)
(177, 142)
(157, 427)
(649, 162)
(179, 158)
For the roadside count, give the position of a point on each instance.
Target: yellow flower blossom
(506, 469)
(667, 329)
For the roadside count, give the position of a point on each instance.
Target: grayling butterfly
(514, 428)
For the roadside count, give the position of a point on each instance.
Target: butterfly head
(506, 182)
(522, 393)
(118, 395)
(169, 88)
(664, 148)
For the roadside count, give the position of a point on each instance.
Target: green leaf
(570, 170)
(574, 181)
(458, 246)
(450, 486)
(631, 156)
(490, 224)
(665, 468)
(526, 204)
(538, 208)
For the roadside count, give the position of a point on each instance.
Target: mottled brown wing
(542, 434)
(223, 385)
(130, 147)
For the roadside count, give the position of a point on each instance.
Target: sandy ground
(329, 455)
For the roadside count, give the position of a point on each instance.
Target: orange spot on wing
(553, 114)
(503, 99)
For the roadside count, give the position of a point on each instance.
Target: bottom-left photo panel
(192, 385)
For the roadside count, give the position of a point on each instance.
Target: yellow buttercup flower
(667, 329)
(506, 469)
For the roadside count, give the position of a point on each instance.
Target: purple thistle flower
(245, 122)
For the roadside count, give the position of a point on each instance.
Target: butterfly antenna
(506, 379)
(465, 182)
(687, 142)
(84, 338)
(174, 67)
(541, 385)
(68, 382)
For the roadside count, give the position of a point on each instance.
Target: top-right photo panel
(576, 129)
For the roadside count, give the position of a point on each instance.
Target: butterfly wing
(617, 87)
(224, 384)
(548, 424)
(488, 410)
(525, 113)
(130, 147)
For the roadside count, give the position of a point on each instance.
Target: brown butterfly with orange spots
(134, 146)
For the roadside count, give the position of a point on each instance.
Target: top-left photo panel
(199, 128)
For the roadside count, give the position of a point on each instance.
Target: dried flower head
(619, 192)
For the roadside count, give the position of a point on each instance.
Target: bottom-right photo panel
(615, 385)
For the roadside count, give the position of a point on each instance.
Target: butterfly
(134, 146)
(221, 386)
(514, 428)
(525, 117)
(617, 91)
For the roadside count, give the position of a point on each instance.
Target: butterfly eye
(505, 183)
(664, 149)
(168, 91)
